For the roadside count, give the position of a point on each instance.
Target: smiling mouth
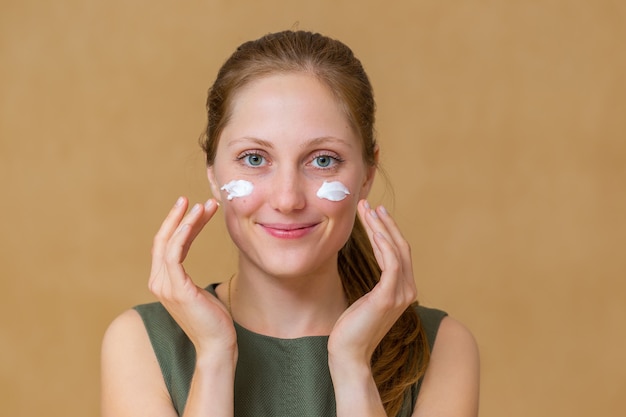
(288, 231)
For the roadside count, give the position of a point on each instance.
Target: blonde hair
(401, 357)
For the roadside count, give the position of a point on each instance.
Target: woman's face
(286, 137)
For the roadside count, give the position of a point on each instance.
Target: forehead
(290, 105)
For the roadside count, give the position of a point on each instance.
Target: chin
(292, 263)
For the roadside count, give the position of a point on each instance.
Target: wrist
(346, 361)
(216, 360)
(212, 385)
(351, 374)
(349, 367)
(356, 392)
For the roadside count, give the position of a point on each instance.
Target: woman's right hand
(204, 319)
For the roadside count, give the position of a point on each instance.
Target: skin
(283, 131)
(289, 126)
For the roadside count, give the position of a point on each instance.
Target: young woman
(320, 318)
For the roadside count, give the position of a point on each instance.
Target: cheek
(243, 206)
(238, 210)
(341, 216)
(343, 209)
(237, 189)
(338, 199)
(340, 206)
(331, 196)
(333, 191)
(236, 214)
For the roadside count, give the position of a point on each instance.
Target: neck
(287, 306)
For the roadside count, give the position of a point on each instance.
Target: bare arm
(132, 384)
(364, 324)
(451, 384)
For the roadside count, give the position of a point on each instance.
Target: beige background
(503, 131)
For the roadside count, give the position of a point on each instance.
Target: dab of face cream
(333, 191)
(238, 188)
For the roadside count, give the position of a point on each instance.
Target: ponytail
(400, 359)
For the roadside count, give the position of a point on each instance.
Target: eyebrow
(324, 139)
(311, 142)
(258, 141)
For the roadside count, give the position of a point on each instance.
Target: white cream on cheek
(333, 191)
(238, 188)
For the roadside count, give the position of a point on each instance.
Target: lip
(288, 230)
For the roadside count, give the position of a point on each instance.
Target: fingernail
(383, 211)
(366, 204)
(373, 213)
(179, 202)
(196, 208)
(208, 204)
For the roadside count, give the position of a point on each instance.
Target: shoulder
(454, 335)
(451, 382)
(126, 341)
(139, 327)
(125, 321)
(131, 377)
(125, 329)
(430, 319)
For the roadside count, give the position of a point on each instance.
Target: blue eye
(254, 159)
(323, 161)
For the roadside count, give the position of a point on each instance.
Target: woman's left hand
(363, 325)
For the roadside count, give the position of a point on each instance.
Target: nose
(287, 191)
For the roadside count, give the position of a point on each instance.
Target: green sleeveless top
(274, 377)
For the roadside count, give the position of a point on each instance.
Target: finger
(396, 236)
(376, 225)
(364, 211)
(168, 275)
(167, 228)
(169, 225)
(390, 225)
(381, 222)
(389, 264)
(396, 278)
(189, 228)
(201, 219)
(167, 268)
